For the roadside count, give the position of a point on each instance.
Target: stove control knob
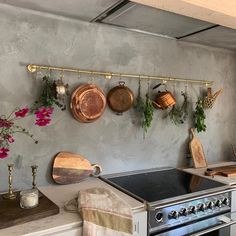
(225, 201)
(218, 203)
(210, 205)
(183, 212)
(173, 215)
(159, 217)
(192, 209)
(201, 207)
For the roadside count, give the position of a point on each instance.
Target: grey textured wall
(116, 142)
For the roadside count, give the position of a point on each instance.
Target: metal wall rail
(108, 75)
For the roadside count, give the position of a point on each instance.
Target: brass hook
(186, 86)
(108, 76)
(92, 77)
(78, 74)
(61, 74)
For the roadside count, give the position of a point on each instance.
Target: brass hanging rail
(108, 75)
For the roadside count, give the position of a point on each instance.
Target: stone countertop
(219, 178)
(60, 194)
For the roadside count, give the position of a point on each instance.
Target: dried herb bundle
(139, 104)
(178, 115)
(148, 114)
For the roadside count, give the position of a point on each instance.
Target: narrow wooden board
(228, 171)
(197, 152)
(220, 168)
(12, 214)
(71, 168)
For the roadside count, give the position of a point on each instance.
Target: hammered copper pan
(120, 98)
(88, 103)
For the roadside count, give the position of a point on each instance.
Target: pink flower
(4, 152)
(42, 122)
(10, 139)
(22, 112)
(44, 112)
(4, 123)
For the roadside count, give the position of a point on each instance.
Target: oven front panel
(209, 227)
(162, 219)
(214, 226)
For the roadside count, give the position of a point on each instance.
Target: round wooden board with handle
(71, 168)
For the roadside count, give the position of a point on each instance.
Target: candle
(29, 198)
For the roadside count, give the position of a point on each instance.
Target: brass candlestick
(34, 171)
(10, 195)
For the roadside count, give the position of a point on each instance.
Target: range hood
(149, 20)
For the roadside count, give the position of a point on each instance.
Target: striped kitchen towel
(103, 213)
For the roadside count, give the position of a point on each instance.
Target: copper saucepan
(88, 103)
(120, 98)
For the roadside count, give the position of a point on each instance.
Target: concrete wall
(115, 142)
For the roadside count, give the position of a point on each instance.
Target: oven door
(221, 225)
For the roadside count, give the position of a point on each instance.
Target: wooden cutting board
(12, 214)
(227, 171)
(197, 152)
(71, 168)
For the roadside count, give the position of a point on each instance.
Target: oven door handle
(226, 221)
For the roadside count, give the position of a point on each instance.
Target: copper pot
(88, 103)
(164, 99)
(120, 98)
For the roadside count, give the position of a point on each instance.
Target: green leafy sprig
(199, 116)
(48, 97)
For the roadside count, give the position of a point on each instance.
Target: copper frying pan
(88, 103)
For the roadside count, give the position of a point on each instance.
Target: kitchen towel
(103, 213)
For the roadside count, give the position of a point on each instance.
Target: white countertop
(219, 178)
(60, 194)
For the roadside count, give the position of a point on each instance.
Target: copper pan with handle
(120, 98)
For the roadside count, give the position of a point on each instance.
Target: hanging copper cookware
(120, 98)
(88, 103)
(164, 99)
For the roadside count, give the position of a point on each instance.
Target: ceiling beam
(213, 11)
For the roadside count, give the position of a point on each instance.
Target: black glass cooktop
(164, 184)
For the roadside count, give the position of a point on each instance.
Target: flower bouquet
(9, 127)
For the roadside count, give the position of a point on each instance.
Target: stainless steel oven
(179, 203)
(208, 218)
